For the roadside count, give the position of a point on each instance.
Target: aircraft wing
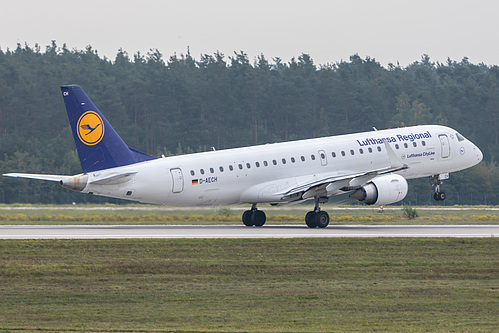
(314, 186)
(54, 178)
(317, 186)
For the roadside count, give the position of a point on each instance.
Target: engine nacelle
(75, 183)
(382, 190)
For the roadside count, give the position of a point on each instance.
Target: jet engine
(382, 190)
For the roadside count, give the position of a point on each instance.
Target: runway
(240, 231)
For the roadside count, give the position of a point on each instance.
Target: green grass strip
(269, 285)
(43, 219)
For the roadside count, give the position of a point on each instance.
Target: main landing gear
(254, 217)
(313, 219)
(317, 217)
(439, 195)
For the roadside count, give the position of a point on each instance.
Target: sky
(390, 31)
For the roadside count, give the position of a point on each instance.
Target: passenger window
(397, 146)
(248, 165)
(342, 153)
(257, 164)
(323, 156)
(423, 143)
(274, 162)
(370, 149)
(192, 173)
(414, 144)
(221, 169)
(352, 152)
(334, 154)
(240, 166)
(361, 151)
(265, 163)
(292, 160)
(231, 168)
(283, 161)
(303, 158)
(405, 145)
(211, 170)
(312, 157)
(379, 148)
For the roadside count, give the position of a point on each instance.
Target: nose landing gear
(439, 195)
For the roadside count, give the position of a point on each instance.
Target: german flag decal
(195, 182)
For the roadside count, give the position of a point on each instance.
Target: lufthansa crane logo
(90, 128)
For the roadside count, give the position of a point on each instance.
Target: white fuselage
(260, 174)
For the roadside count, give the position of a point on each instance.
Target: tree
(410, 114)
(185, 105)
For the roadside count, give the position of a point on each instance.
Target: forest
(185, 104)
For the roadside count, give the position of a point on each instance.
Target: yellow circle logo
(90, 128)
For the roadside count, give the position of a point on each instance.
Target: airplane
(374, 166)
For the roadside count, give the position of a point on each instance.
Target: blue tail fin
(99, 146)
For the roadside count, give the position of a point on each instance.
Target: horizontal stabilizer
(54, 178)
(114, 179)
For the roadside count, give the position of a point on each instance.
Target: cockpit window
(460, 137)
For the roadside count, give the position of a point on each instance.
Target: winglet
(395, 163)
(99, 146)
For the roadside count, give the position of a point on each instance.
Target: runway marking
(240, 231)
(234, 208)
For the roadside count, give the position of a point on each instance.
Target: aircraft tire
(310, 219)
(439, 196)
(258, 218)
(322, 219)
(247, 220)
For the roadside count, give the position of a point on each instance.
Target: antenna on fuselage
(374, 128)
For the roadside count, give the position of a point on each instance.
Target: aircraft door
(444, 145)
(177, 180)
(322, 156)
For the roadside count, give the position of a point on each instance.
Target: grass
(144, 214)
(270, 285)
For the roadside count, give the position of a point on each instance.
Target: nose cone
(478, 153)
